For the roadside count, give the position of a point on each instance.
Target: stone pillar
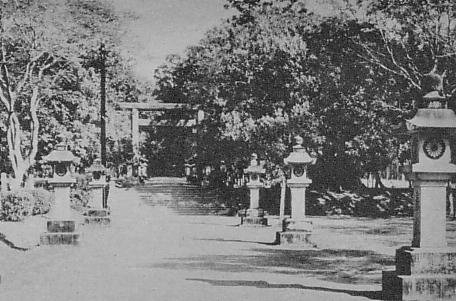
(62, 206)
(298, 201)
(283, 191)
(254, 190)
(429, 227)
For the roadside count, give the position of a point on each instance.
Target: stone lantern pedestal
(426, 270)
(98, 211)
(61, 227)
(254, 215)
(298, 229)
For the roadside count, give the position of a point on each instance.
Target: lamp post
(426, 270)
(298, 229)
(61, 229)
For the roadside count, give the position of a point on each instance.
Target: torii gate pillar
(136, 122)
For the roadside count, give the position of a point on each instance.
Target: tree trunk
(15, 135)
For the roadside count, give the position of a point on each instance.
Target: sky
(164, 27)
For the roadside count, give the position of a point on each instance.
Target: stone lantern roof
(299, 154)
(258, 169)
(60, 154)
(432, 118)
(97, 166)
(254, 167)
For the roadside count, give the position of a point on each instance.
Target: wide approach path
(153, 252)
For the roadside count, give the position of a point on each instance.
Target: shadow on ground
(341, 266)
(239, 241)
(374, 295)
(10, 244)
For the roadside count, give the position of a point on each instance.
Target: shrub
(367, 204)
(16, 205)
(80, 192)
(127, 182)
(42, 201)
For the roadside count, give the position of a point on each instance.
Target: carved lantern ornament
(433, 132)
(255, 170)
(61, 161)
(299, 160)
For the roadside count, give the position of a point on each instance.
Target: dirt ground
(151, 253)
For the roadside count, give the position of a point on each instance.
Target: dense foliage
(50, 80)
(342, 79)
(18, 204)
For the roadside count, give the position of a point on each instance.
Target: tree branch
(407, 75)
(4, 76)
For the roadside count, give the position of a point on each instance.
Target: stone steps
(184, 198)
(60, 232)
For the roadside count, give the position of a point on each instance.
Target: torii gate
(137, 123)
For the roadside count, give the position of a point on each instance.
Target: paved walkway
(149, 252)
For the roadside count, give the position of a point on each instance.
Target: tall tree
(277, 69)
(43, 47)
(417, 43)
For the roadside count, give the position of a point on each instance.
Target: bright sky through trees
(164, 27)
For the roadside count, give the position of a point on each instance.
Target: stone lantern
(254, 214)
(98, 211)
(427, 269)
(297, 230)
(61, 228)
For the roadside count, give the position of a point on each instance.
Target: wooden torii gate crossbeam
(136, 122)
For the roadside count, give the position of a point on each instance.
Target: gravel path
(151, 253)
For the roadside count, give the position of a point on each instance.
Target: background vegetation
(343, 79)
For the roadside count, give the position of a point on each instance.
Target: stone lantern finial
(254, 159)
(434, 100)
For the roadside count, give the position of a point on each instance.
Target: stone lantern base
(97, 216)
(98, 212)
(254, 217)
(296, 233)
(60, 233)
(421, 274)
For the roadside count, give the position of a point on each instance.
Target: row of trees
(49, 79)
(340, 78)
